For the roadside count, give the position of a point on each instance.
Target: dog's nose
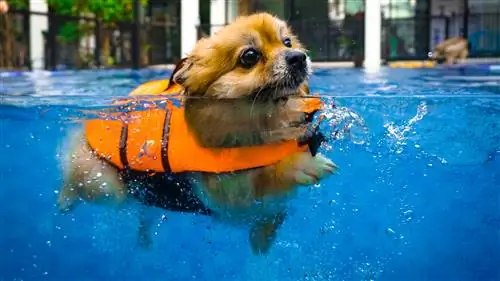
(296, 59)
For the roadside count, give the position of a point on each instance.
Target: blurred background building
(333, 30)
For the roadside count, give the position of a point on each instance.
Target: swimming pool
(417, 196)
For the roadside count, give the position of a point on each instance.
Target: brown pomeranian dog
(243, 87)
(451, 50)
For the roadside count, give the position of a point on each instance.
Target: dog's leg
(146, 218)
(463, 55)
(450, 59)
(263, 233)
(90, 179)
(68, 197)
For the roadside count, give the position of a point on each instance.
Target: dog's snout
(296, 59)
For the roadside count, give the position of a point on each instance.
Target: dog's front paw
(312, 169)
(144, 239)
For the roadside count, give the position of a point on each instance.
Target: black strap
(315, 138)
(313, 141)
(123, 145)
(164, 141)
(310, 116)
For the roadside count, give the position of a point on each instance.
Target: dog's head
(256, 56)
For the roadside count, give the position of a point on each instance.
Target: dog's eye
(287, 42)
(249, 58)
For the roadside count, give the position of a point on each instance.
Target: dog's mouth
(272, 93)
(277, 91)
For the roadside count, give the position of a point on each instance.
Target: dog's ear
(179, 75)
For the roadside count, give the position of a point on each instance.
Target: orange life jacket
(158, 140)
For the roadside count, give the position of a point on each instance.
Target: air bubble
(390, 231)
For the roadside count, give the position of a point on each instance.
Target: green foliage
(64, 7)
(112, 10)
(69, 32)
(109, 11)
(18, 4)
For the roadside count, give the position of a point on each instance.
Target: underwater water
(417, 196)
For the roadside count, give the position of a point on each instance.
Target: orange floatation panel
(159, 140)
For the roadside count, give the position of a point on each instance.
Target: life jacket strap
(164, 144)
(313, 141)
(164, 141)
(123, 146)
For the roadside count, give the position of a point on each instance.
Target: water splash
(399, 133)
(344, 124)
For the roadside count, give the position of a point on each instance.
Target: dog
(242, 86)
(451, 50)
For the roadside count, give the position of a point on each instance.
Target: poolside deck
(348, 64)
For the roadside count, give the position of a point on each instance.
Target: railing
(325, 40)
(331, 40)
(402, 38)
(85, 42)
(413, 38)
(14, 40)
(484, 34)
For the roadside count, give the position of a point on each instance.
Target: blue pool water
(417, 196)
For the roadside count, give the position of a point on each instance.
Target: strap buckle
(313, 138)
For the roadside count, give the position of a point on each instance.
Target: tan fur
(221, 114)
(452, 50)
